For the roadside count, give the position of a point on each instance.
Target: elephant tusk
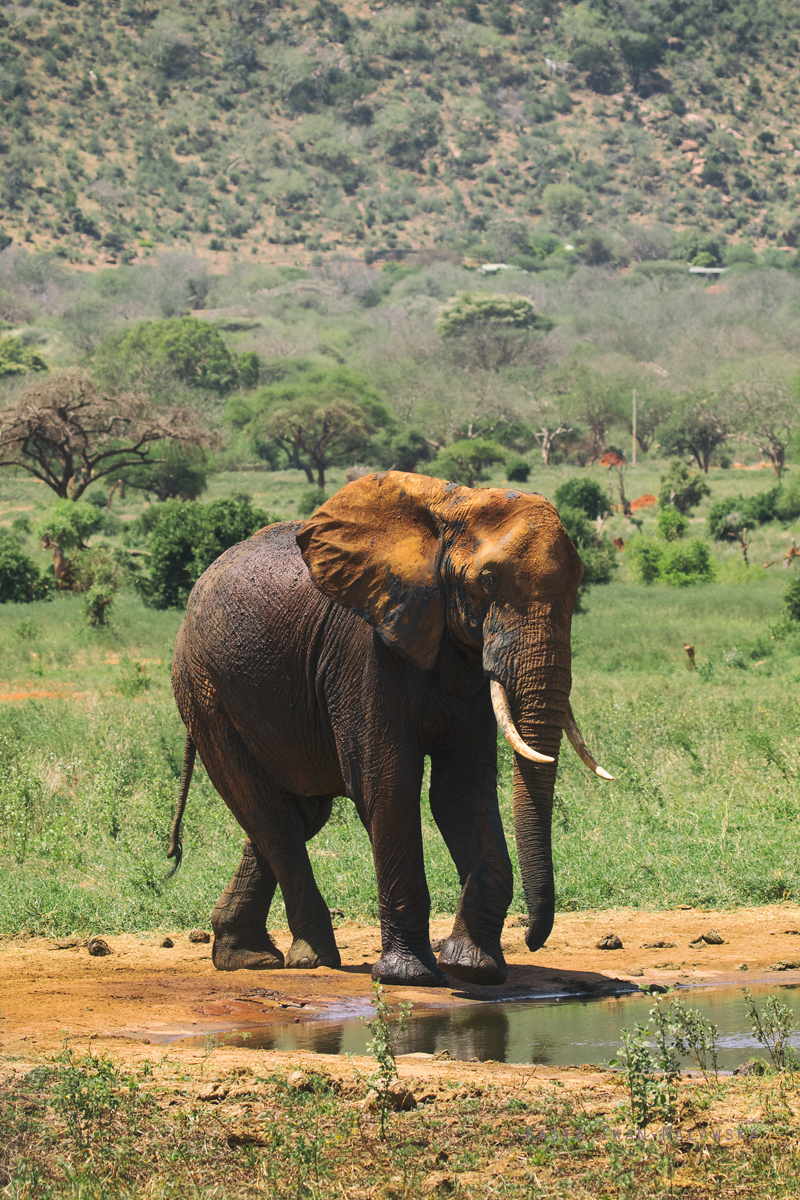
(579, 745)
(505, 720)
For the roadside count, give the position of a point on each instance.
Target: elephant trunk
(533, 665)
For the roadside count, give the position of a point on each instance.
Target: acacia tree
(68, 434)
(318, 416)
(764, 413)
(496, 328)
(697, 426)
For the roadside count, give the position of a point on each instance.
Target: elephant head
(416, 557)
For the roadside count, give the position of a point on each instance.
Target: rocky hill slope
(275, 129)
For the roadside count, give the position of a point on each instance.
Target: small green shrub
(671, 524)
(466, 461)
(791, 600)
(20, 579)
(729, 518)
(685, 563)
(582, 493)
(677, 563)
(518, 470)
(681, 488)
(310, 500)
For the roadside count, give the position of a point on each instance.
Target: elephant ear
(372, 547)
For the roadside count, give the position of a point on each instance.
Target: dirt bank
(142, 993)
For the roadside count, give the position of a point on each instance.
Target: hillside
(275, 129)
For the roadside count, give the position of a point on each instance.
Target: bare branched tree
(68, 434)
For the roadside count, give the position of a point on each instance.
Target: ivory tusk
(505, 720)
(579, 745)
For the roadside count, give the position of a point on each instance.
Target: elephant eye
(488, 580)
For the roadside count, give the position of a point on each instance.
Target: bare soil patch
(143, 993)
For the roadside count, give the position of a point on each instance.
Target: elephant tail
(175, 845)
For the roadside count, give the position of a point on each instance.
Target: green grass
(703, 809)
(82, 1125)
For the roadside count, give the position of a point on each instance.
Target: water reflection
(553, 1032)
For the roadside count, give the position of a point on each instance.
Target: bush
(518, 470)
(582, 493)
(791, 599)
(728, 518)
(596, 551)
(310, 501)
(787, 503)
(185, 538)
(466, 461)
(182, 475)
(20, 579)
(677, 563)
(671, 524)
(681, 488)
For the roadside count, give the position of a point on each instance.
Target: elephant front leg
(464, 805)
(404, 901)
(239, 920)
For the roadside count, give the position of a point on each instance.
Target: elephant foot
(236, 952)
(392, 967)
(464, 960)
(304, 957)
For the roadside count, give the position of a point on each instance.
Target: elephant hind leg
(239, 919)
(277, 823)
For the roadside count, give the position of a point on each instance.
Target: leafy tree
(564, 202)
(763, 412)
(596, 551)
(68, 434)
(317, 415)
(698, 424)
(671, 524)
(584, 494)
(466, 461)
(729, 518)
(597, 401)
(182, 473)
(185, 538)
(681, 488)
(20, 579)
(65, 528)
(18, 359)
(496, 327)
(154, 354)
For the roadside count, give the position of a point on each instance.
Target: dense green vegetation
(282, 127)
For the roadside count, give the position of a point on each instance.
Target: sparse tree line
(157, 407)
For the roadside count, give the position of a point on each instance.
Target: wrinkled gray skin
(292, 697)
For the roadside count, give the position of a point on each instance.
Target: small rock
(212, 1093)
(97, 947)
(609, 942)
(400, 1098)
(636, 973)
(167, 943)
(653, 989)
(711, 937)
(788, 964)
(300, 1082)
(439, 1181)
(443, 1056)
(659, 945)
(199, 935)
(687, 144)
(753, 1066)
(519, 922)
(742, 967)
(796, 932)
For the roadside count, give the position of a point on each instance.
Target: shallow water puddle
(565, 1031)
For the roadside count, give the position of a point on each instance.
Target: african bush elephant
(327, 658)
